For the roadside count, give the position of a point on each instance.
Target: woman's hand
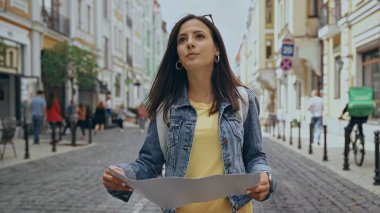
(261, 190)
(113, 183)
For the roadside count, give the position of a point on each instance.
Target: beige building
(351, 54)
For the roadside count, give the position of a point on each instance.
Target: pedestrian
(70, 116)
(315, 106)
(141, 117)
(108, 111)
(38, 106)
(54, 117)
(196, 91)
(82, 119)
(121, 114)
(99, 117)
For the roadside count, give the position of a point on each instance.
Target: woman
(198, 94)
(99, 117)
(53, 116)
(141, 116)
(121, 114)
(82, 119)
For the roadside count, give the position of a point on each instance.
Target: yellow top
(206, 160)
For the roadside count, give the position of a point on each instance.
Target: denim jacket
(241, 146)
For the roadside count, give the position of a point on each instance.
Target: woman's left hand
(261, 190)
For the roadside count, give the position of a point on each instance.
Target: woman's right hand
(111, 182)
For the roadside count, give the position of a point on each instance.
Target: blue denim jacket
(241, 146)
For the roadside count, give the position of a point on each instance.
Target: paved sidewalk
(362, 176)
(44, 149)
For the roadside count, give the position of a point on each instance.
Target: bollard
(290, 136)
(283, 130)
(26, 137)
(346, 165)
(73, 130)
(89, 130)
(299, 135)
(53, 136)
(274, 128)
(325, 143)
(377, 159)
(311, 135)
(278, 129)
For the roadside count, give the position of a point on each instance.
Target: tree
(66, 62)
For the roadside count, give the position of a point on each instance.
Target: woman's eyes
(197, 36)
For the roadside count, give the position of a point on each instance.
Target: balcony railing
(330, 15)
(56, 22)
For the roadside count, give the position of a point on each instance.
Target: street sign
(286, 64)
(287, 49)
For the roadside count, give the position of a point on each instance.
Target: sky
(229, 17)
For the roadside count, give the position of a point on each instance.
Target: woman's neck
(200, 88)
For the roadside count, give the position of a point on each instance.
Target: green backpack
(361, 103)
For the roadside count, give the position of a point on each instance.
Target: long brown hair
(169, 82)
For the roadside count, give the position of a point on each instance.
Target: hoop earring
(217, 58)
(177, 65)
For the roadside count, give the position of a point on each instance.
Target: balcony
(56, 22)
(328, 19)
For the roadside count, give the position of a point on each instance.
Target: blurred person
(70, 116)
(38, 106)
(108, 110)
(54, 117)
(99, 117)
(197, 93)
(82, 119)
(141, 116)
(121, 114)
(315, 106)
(354, 120)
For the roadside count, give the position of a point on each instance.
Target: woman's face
(195, 46)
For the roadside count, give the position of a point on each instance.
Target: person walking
(315, 106)
(141, 117)
(197, 94)
(81, 119)
(70, 116)
(38, 106)
(54, 117)
(99, 117)
(121, 114)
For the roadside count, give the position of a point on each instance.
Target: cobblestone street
(71, 182)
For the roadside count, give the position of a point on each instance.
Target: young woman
(82, 119)
(198, 94)
(54, 118)
(141, 116)
(99, 117)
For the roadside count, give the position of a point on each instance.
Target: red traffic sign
(286, 64)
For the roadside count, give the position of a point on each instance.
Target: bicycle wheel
(359, 150)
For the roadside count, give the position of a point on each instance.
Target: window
(268, 45)
(337, 76)
(105, 9)
(268, 12)
(115, 36)
(117, 84)
(89, 18)
(371, 76)
(312, 8)
(127, 47)
(80, 13)
(105, 50)
(298, 87)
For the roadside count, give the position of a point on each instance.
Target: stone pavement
(362, 176)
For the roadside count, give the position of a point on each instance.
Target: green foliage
(65, 62)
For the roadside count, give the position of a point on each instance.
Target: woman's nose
(190, 43)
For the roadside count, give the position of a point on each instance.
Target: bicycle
(357, 141)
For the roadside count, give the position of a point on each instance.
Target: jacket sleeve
(148, 164)
(254, 158)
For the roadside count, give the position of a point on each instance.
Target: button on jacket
(241, 146)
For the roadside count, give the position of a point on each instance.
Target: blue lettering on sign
(287, 50)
